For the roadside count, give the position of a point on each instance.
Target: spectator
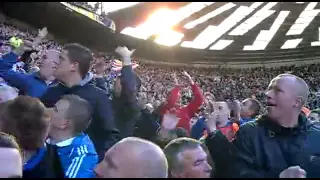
(27, 119)
(10, 157)
(250, 108)
(221, 112)
(187, 159)
(148, 124)
(219, 148)
(133, 158)
(100, 78)
(70, 118)
(199, 128)
(283, 135)
(124, 99)
(185, 113)
(72, 72)
(36, 84)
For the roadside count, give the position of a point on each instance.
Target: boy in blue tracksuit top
(77, 156)
(70, 118)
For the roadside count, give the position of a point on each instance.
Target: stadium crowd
(66, 113)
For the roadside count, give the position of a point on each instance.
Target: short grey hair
(79, 111)
(177, 146)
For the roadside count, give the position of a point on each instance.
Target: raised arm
(197, 100)
(128, 78)
(172, 98)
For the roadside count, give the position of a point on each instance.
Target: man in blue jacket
(70, 118)
(72, 72)
(34, 85)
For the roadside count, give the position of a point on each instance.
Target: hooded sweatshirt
(102, 130)
(184, 113)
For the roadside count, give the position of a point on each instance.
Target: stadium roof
(223, 25)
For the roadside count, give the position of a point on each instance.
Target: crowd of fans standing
(66, 113)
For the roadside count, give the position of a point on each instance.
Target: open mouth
(269, 104)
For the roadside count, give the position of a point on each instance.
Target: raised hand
(169, 121)
(211, 121)
(184, 73)
(124, 51)
(43, 32)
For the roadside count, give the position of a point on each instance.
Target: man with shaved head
(133, 158)
(10, 157)
(282, 143)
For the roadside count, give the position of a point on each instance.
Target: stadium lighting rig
(242, 20)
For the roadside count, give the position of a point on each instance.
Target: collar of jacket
(37, 76)
(275, 129)
(86, 80)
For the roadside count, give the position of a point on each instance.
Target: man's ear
(298, 102)
(74, 66)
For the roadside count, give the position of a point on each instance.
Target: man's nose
(269, 94)
(209, 168)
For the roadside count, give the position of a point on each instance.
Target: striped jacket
(78, 157)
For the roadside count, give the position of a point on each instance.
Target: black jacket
(264, 149)
(220, 151)
(102, 130)
(101, 82)
(147, 126)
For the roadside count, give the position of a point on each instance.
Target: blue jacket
(102, 129)
(8, 60)
(28, 84)
(78, 157)
(198, 129)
